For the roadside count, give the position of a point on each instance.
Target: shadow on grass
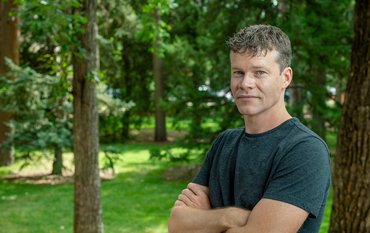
(135, 201)
(142, 201)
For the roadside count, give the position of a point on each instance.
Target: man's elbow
(174, 224)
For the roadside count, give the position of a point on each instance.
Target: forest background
(162, 70)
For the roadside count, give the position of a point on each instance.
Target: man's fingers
(189, 194)
(179, 203)
(186, 200)
(195, 196)
(198, 189)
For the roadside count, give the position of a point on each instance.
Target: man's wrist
(234, 217)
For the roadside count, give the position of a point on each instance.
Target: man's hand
(195, 196)
(192, 213)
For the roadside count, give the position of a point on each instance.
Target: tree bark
(296, 99)
(318, 103)
(127, 87)
(351, 203)
(58, 161)
(9, 47)
(160, 115)
(87, 209)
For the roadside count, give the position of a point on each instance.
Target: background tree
(160, 132)
(87, 209)
(41, 114)
(320, 24)
(155, 30)
(351, 203)
(9, 48)
(125, 69)
(46, 64)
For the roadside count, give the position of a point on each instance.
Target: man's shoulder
(300, 132)
(302, 139)
(228, 138)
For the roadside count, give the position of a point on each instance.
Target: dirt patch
(47, 179)
(39, 179)
(40, 173)
(147, 135)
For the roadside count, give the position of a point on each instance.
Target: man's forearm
(186, 219)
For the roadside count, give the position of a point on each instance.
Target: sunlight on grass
(137, 200)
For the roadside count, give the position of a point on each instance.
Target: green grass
(137, 200)
(326, 221)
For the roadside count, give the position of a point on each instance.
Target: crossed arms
(192, 213)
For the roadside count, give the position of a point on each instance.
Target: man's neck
(265, 121)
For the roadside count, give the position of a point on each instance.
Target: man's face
(257, 84)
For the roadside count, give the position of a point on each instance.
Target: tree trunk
(127, 87)
(125, 133)
(58, 161)
(351, 203)
(9, 47)
(87, 210)
(160, 116)
(296, 99)
(319, 103)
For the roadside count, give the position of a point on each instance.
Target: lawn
(138, 200)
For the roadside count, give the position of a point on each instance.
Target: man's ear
(287, 76)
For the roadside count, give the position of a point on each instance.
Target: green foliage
(190, 38)
(110, 106)
(153, 28)
(124, 65)
(41, 109)
(320, 31)
(111, 156)
(50, 26)
(169, 155)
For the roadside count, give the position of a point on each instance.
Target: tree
(87, 209)
(124, 66)
(351, 203)
(156, 30)
(41, 113)
(160, 134)
(9, 47)
(45, 51)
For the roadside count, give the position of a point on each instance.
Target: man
(273, 174)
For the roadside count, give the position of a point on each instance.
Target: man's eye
(260, 73)
(238, 73)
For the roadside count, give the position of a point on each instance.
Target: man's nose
(248, 81)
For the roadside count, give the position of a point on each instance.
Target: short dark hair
(259, 39)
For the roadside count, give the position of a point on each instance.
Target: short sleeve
(204, 173)
(302, 176)
(202, 177)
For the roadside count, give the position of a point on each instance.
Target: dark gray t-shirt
(289, 163)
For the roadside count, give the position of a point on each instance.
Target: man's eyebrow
(260, 67)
